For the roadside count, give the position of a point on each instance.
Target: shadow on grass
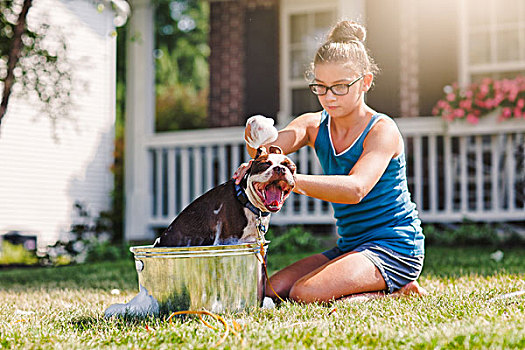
(87, 323)
(125, 322)
(103, 275)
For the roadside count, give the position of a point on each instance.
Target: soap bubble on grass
(497, 256)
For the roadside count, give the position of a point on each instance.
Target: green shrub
(90, 240)
(106, 251)
(16, 254)
(181, 107)
(294, 239)
(468, 234)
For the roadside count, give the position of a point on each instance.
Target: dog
(230, 213)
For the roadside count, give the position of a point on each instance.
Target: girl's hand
(238, 175)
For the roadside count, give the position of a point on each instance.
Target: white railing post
(495, 202)
(479, 174)
(185, 177)
(511, 175)
(448, 164)
(197, 163)
(418, 172)
(171, 183)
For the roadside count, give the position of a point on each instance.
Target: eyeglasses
(337, 89)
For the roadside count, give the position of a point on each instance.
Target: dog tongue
(273, 195)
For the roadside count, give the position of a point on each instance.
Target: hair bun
(347, 31)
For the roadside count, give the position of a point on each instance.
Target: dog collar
(243, 198)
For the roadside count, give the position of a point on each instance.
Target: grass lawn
(48, 308)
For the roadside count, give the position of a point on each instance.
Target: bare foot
(413, 288)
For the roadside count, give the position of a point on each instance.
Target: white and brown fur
(218, 217)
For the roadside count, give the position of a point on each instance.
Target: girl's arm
(300, 132)
(382, 144)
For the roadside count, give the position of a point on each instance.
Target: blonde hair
(345, 44)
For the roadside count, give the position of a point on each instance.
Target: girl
(361, 151)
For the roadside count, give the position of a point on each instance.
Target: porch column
(409, 72)
(140, 112)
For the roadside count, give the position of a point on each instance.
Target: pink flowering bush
(473, 102)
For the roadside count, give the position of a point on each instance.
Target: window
(304, 27)
(493, 34)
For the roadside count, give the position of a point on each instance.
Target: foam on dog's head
(261, 151)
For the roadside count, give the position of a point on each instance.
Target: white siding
(40, 178)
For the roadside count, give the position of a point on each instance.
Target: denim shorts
(397, 269)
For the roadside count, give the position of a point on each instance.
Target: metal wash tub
(222, 278)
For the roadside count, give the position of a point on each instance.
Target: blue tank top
(386, 215)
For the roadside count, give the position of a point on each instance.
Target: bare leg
(350, 273)
(283, 280)
(350, 276)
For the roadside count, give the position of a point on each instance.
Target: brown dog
(230, 213)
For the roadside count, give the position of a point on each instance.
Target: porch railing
(455, 172)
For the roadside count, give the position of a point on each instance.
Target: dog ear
(261, 151)
(275, 149)
(247, 170)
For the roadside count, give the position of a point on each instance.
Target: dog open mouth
(273, 194)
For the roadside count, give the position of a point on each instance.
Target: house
(46, 169)
(260, 50)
